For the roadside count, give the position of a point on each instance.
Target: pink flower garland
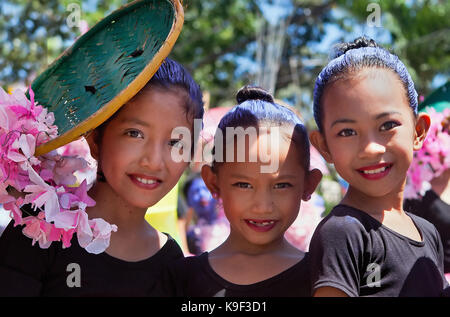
(47, 182)
(434, 157)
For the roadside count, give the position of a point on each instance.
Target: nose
(263, 202)
(152, 157)
(371, 146)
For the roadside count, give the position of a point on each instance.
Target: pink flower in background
(432, 159)
(212, 235)
(300, 232)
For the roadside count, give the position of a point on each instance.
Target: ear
(421, 129)
(210, 179)
(312, 179)
(92, 140)
(319, 142)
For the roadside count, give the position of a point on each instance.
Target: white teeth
(378, 170)
(146, 181)
(261, 224)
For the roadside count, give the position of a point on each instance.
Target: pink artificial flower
(13, 206)
(66, 237)
(35, 229)
(101, 235)
(24, 125)
(65, 167)
(42, 195)
(23, 150)
(94, 235)
(81, 193)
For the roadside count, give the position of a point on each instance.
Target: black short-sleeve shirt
(27, 270)
(193, 276)
(355, 253)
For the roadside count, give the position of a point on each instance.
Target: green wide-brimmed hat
(106, 67)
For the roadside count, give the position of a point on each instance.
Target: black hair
(256, 107)
(353, 56)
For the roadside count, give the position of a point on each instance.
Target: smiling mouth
(147, 181)
(378, 170)
(375, 171)
(261, 223)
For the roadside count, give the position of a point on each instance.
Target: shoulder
(183, 270)
(344, 221)
(190, 263)
(428, 229)
(170, 251)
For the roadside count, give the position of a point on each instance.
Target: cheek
(232, 204)
(176, 169)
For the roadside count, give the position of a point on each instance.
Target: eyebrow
(384, 114)
(287, 176)
(342, 121)
(377, 117)
(136, 121)
(240, 176)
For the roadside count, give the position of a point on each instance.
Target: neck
(392, 202)
(115, 210)
(234, 245)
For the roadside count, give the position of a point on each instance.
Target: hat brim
(106, 67)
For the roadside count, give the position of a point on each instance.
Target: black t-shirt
(27, 270)
(436, 211)
(355, 253)
(194, 277)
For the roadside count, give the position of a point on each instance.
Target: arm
(337, 251)
(329, 292)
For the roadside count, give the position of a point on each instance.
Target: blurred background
(280, 45)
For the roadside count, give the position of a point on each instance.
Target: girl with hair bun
(260, 204)
(365, 107)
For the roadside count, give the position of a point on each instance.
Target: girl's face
(261, 206)
(370, 131)
(135, 150)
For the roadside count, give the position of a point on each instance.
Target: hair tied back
(253, 93)
(342, 48)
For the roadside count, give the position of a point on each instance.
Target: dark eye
(134, 133)
(347, 132)
(176, 143)
(389, 125)
(242, 185)
(283, 185)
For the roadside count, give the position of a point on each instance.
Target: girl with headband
(365, 107)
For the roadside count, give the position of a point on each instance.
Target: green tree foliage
(219, 35)
(419, 34)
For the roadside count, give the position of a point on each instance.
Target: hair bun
(253, 93)
(342, 48)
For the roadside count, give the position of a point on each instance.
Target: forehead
(267, 148)
(369, 91)
(155, 106)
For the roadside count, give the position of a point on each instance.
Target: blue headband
(364, 57)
